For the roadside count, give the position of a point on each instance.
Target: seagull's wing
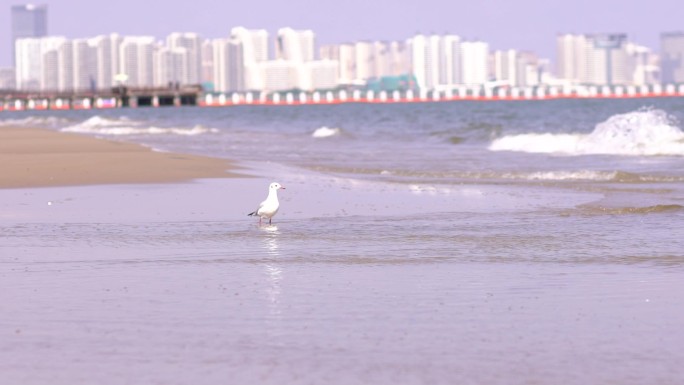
(256, 212)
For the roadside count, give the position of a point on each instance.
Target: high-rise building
(437, 61)
(28, 21)
(570, 57)
(254, 45)
(596, 59)
(207, 72)
(192, 45)
(343, 54)
(608, 59)
(505, 67)
(293, 45)
(84, 64)
(364, 60)
(136, 60)
(228, 65)
(474, 62)
(644, 63)
(672, 57)
(529, 69)
(28, 63)
(106, 59)
(40, 62)
(170, 66)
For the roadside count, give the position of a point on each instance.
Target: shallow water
(406, 251)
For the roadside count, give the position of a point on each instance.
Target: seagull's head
(276, 186)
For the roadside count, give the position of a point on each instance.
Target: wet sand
(174, 284)
(31, 157)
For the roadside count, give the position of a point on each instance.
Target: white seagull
(269, 207)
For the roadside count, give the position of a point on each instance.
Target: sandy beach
(32, 157)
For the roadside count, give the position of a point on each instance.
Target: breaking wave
(35, 121)
(326, 132)
(642, 132)
(123, 126)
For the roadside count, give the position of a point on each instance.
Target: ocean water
(521, 242)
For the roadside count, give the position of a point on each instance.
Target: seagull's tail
(252, 214)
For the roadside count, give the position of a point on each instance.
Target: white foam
(571, 175)
(35, 121)
(325, 132)
(123, 126)
(642, 132)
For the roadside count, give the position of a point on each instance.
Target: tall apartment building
(228, 65)
(672, 57)
(343, 54)
(595, 59)
(254, 45)
(443, 61)
(84, 65)
(207, 71)
(474, 62)
(517, 69)
(506, 67)
(106, 51)
(295, 57)
(293, 45)
(644, 64)
(570, 57)
(38, 61)
(136, 60)
(190, 44)
(363, 60)
(28, 21)
(170, 66)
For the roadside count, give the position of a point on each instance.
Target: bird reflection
(274, 273)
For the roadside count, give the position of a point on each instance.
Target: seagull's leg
(259, 221)
(269, 221)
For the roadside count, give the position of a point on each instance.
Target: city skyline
(535, 23)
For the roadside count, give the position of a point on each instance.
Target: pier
(116, 97)
(195, 95)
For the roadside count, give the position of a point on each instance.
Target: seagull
(269, 207)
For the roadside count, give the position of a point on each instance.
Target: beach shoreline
(35, 157)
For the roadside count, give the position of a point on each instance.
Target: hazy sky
(521, 24)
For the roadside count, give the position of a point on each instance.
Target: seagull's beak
(282, 187)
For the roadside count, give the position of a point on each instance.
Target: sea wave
(641, 132)
(35, 121)
(579, 175)
(122, 126)
(594, 175)
(326, 132)
(654, 209)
